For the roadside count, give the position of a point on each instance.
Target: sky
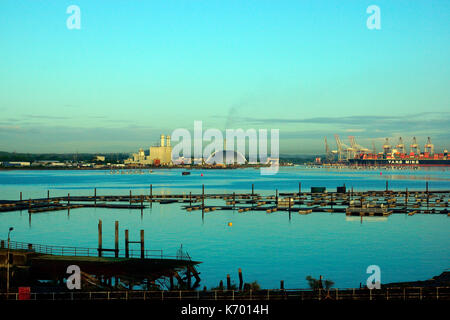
(137, 69)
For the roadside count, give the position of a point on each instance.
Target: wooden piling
(299, 188)
(203, 197)
(406, 197)
(95, 196)
(332, 200)
(281, 284)
(387, 185)
(130, 197)
(253, 189)
(190, 199)
(276, 196)
(99, 238)
(289, 204)
(68, 199)
(188, 276)
(228, 282)
(48, 196)
(142, 245)
(234, 200)
(127, 250)
(241, 281)
(151, 195)
(20, 195)
(116, 239)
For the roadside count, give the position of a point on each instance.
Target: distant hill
(30, 157)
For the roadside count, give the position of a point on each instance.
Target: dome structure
(226, 157)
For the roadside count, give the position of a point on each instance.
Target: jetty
(351, 202)
(101, 268)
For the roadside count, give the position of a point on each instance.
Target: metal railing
(90, 252)
(394, 294)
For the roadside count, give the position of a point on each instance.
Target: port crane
(387, 148)
(356, 147)
(400, 146)
(414, 147)
(429, 147)
(328, 154)
(342, 149)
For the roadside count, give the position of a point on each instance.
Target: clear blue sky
(140, 68)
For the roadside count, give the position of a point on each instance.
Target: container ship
(356, 155)
(401, 159)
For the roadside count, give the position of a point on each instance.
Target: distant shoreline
(134, 168)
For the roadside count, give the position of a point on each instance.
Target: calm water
(268, 247)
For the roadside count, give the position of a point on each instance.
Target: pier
(352, 203)
(101, 268)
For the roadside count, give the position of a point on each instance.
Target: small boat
(185, 173)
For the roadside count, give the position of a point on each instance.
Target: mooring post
(253, 189)
(234, 200)
(387, 185)
(332, 200)
(289, 204)
(68, 199)
(281, 284)
(428, 194)
(406, 198)
(20, 195)
(127, 251)
(241, 281)
(203, 197)
(99, 238)
(142, 245)
(188, 276)
(48, 196)
(228, 282)
(130, 197)
(95, 196)
(276, 197)
(190, 199)
(151, 195)
(142, 204)
(116, 239)
(299, 188)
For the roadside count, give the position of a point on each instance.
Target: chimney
(168, 141)
(163, 140)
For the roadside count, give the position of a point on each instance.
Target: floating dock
(364, 203)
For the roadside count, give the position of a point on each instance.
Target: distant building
(158, 155)
(15, 164)
(99, 158)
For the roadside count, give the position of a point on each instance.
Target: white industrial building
(158, 155)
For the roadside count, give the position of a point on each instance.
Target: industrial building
(158, 155)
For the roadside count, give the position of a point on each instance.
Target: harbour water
(268, 247)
